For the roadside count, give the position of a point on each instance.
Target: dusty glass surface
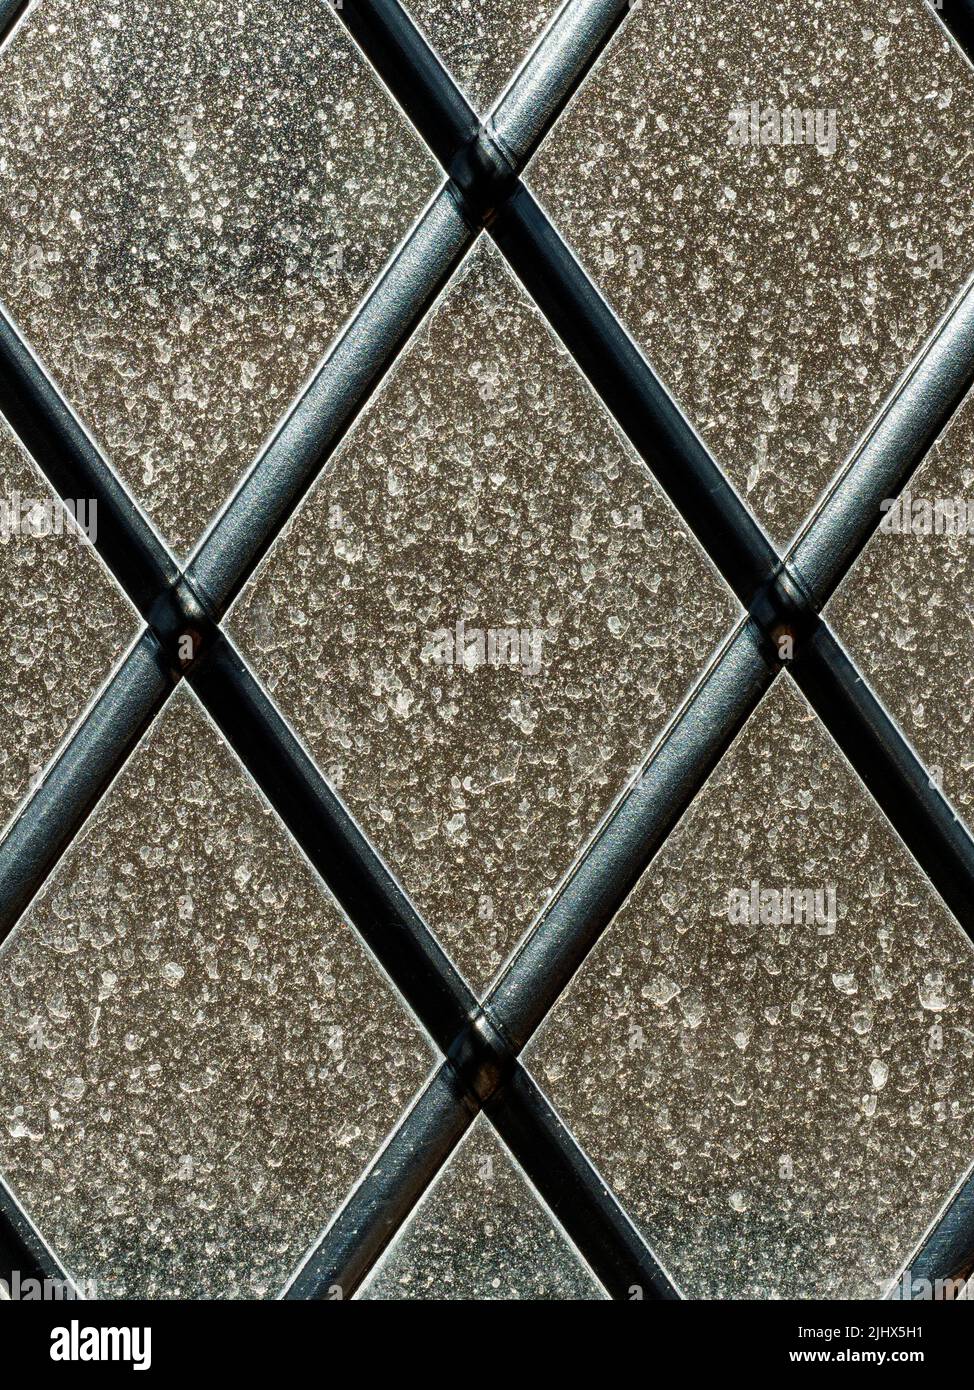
(197, 1056)
(783, 1107)
(481, 1231)
(193, 198)
(482, 42)
(906, 611)
(778, 289)
(63, 623)
(482, 616)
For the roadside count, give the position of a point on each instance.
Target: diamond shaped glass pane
(481, 1232)
(482, 617)
(482, 42)
(198, 1056)
(63, 623)
(906, 611)
(777, 1088)
(777, 203)
(192, 201)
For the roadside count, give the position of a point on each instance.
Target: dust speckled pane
(482, 42)
(481, 1232)
(197, 1056)
(783, 1108)
(906, 610)
(63, 623)
(779, 289)
(482, 617)
(193, 198)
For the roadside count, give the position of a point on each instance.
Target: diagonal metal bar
(946, 1251)
(957, 17)
(11, 13)
(333, 842)
(387, 1192)
(80, 776)
(917, 412)
(631, 836)
(873, 743)
(24, 1255)
(314, 428)
(584, 1203)
(634, 395)
(176, 611)
(419, 1148)
(51, 433)
(564, 54)
(417, 79)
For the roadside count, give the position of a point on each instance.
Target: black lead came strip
(24, 1258)
(414, 75)
(946, 1253)
(333, 842)
(958, 17)
(11, 13)
(50, 431)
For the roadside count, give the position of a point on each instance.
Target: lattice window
(455, 855)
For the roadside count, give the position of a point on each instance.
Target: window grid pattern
(481, 1040)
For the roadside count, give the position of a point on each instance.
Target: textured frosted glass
(63, 624)
(197, 1056)
(193, 198)
(906, 613)
(482, 42)
(485, 487)
(779, 291)
(783, 1108)
(481, 1232)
